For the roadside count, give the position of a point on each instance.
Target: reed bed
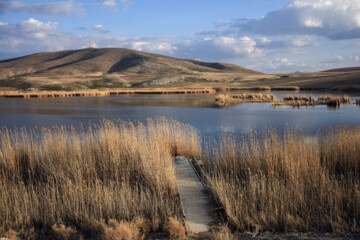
(103, 93)
(244, 98)
(285, 88)
(298, 101)
(295, 101)
(115, 180)
(288, 182)
(106, 180)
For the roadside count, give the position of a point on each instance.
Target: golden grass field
(115, 180)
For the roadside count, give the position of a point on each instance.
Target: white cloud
(337, 58)
(109, 3)
(100, 28)
(126, 3)
(285, 65)
(284, 61)
(312, 23)
(45, 9)
(149, 46)
(32, 36)
(355, 58)
(298, 43)
(222, 22)
(333, 19)
(218, 48)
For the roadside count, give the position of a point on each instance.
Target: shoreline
(171, 90)
(102, 93)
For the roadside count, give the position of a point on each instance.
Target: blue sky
(264, 35)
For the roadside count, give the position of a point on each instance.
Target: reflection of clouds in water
(196, 110)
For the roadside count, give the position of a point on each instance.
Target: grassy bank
(112, 178)
(288, 182)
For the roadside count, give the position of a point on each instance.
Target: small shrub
(346, 99)
(10, 235)
(122, 231)
(60, 232)
(221, 233)
(175, 229)
(288, 98)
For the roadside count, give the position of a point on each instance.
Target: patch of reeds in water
(84, 177)
(288, 182)
(297, 101)
(244, 98)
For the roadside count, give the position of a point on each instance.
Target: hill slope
(106, 61)
(92, 68)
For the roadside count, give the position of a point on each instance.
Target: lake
(198, 110)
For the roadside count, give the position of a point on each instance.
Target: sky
(271, 36)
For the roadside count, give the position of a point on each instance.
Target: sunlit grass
(288, 182)
(80, 177)
(117, 179)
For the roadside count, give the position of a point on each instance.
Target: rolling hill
(106, 67)
(93, 68)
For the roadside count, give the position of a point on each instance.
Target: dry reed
(175, 229)
(117, 179)
(288, 182)
(80, 176)
(244, 98)
(297, 101)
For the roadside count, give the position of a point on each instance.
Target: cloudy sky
(264, 35)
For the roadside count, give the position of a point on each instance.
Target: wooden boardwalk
(193, 196)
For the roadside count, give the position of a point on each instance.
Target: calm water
(197, 110)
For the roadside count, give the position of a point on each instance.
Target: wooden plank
(193, 196)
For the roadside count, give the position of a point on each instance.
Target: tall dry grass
(288, 182)
(116, 179)
(297, 101)
(84, 177)
(244, 98)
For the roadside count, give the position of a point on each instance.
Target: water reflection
(197, 110)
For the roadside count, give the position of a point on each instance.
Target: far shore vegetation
(115, 180)
(295, 101)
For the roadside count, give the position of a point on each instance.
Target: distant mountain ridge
(107, 61)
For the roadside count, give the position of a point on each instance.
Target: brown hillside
(106, 61)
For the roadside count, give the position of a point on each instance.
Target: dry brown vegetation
(115, 180)
(103, 93)
(175, 229)
(82, 178)
(295, 101)
(312, 101)
(244, 98)
(221, 233)
(288, 182)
